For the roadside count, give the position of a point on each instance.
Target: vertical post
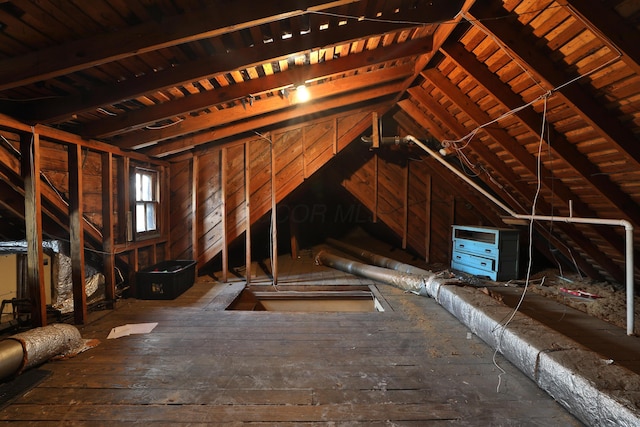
(133, 267)
(30, 149)
(165, 208)
(334, 135)
(427, 219)
(107, 228)
(154, 254)
(293, 233)
(123, 198)
(375, 130)
(452, 221)
(375, 187)
(405, 207)
(223, 197)
(304, 157)
(274, 221)
(247, 209)
(77, 234)
(195, 171)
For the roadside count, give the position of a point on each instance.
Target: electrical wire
(158, 127)
(421, 23)
(271, 223)
(530, 261)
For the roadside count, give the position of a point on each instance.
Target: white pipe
(570, 219)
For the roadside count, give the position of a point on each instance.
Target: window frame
(154, 176)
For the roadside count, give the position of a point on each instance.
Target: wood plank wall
(434, 203)
(299, 152)
(70, 205)
(55, 170)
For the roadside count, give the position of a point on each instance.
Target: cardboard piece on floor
(136, 328)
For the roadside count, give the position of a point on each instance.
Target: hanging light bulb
(302, 94)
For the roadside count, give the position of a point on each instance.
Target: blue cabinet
(486, 251)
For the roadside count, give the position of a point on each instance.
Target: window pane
(147, 188)
(138, 186)
(140, 218)
(151, 216)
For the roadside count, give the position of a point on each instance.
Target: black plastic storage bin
(165, 280)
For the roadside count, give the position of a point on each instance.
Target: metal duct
(10, 357)
(418, 284)
(628, 226)
(31, 348)
(379, 260)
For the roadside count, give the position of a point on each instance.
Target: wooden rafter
(407, 122)
(148, 36)
(514, 36)
(557, 188)
(562, 148)
(57, 109)
(619, 33)
(139, 118)
(518, 187)
(259, 122)
(242, 112)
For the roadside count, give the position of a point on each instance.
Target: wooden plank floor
(202, 365)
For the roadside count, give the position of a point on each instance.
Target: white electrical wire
(530, 261)
(273, 213)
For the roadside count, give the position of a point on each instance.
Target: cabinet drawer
(474, 261)
(477, 248)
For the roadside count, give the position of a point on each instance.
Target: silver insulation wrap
(408, 282)
(41, 344)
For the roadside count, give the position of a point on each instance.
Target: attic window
(147, 191)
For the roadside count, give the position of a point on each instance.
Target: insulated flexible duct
(627, 225)
(419, 284)
(379, 260)
(31, 348)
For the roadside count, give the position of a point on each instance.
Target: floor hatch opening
(310, 299)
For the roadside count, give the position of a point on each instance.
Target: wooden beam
(511, 183)
(195, 173)
(123, 198)
(63, 137)
(247, 209)
(529, 162)
(142, 138)
(133, 267)
(137, 119)
(376, 161)
(537, 60)
(274, 219)
(480, 203)
(608, 23)
(187, 143)
(304, 152)
(334, 137)
(165, 203)
(76, 234)
(146, 37)
(108, 256)
(223, 220)
(502, 137)
(375, 133)
(30, 149)
(405, 205)
(427, 217)
(441, 34)
(502, 92)
(62, 109)
(293, 237)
